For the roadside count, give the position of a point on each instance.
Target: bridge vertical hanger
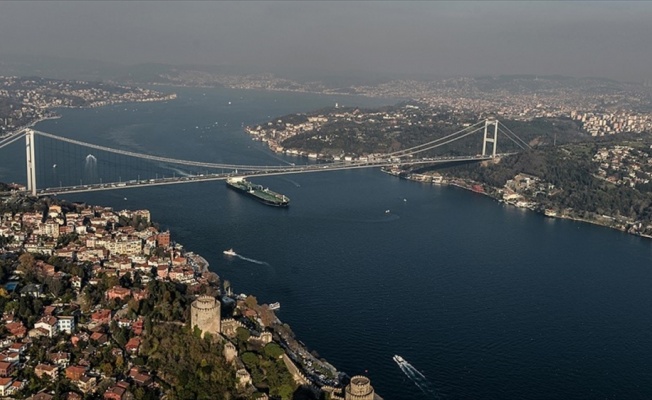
(31, 162)
(488, 139)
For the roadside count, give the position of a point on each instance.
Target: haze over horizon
(604, 39)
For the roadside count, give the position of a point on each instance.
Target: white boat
(387, 211)
(229, 252)
(275, 306)
(399, 360)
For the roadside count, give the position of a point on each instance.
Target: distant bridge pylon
(31, 162)
(486, 139)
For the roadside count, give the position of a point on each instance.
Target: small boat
(387, 211)
(275, 306)
(399, 360)
(229, 252)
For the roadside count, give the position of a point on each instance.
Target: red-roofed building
(176, 274)
(137, 327)
(49, 310)
(49, 371)
(65, 229)
(117, 391)
(6, 368)
(41, 396)
(5, 386)
(162, 271)
(132, 345)
(50, 324)
(163, 239)
(87, 383)
(66, 252)
(74, 372)
(61, 358)
(9, 356)
(79, 337)
(179, 262)
(101, 316)
(118, 292)
(139, 377)
(99, 337)
(16, 329)
(17, 385)
(18, 347)
(73, 396)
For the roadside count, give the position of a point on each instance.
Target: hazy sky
(610, 39)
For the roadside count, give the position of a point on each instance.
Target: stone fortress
(205, 315)
(358, 389)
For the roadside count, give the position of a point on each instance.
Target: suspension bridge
(90, 180)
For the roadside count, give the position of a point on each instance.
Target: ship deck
(257, 191)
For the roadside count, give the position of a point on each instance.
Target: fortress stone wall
(205, 314)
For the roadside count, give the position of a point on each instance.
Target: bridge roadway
(298, 169)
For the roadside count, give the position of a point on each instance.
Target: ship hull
(268, 198)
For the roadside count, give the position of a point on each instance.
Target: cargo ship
(258, 192)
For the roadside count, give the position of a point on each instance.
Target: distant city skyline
(605, 39)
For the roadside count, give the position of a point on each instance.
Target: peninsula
(589, 138)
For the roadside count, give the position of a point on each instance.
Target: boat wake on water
(232, 253)
(251, 260)
(416, 377)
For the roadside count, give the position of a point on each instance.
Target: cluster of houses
(18, 340)
(521, 189)
(107, 248)
(100, 240)
(624, 165)
(609, 123)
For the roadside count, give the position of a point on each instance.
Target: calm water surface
(485, 300)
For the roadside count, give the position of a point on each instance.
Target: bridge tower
(31, 162)
(493, 140)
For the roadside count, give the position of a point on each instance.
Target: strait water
(485, 300)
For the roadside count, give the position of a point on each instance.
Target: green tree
(242, 334)
(273, 350)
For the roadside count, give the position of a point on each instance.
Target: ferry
(229, 252)
(275, 306)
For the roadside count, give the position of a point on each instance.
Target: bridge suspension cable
(415, 149)
(9, 140)
(163, 159)
(434, 146)
(524, 144)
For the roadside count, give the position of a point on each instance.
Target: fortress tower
(230, 352)
(359, 389)
(205, 314)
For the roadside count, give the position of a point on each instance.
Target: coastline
(192, 270)
(30, 125)
(457, 182)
